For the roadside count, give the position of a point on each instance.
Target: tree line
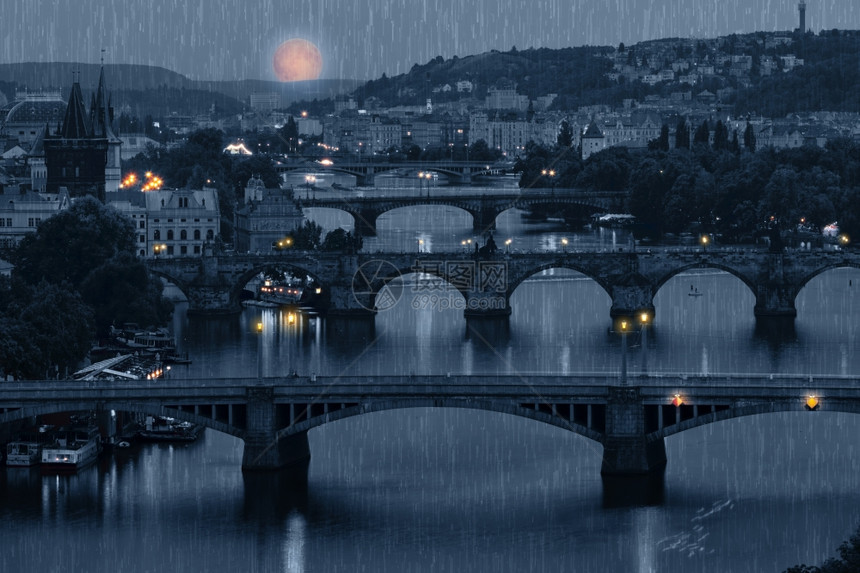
(717, 184)
(77, 275)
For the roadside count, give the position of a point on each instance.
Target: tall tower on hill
(801, 7)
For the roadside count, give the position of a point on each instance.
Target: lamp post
(420, 182)
(704, 240)
(624, 326)
(428, 176)
(259, 328)
(644, 318)
(564, 244)
(551, 174)
(508, 245)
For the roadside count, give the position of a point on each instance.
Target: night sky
(361, 39)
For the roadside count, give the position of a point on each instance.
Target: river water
(460, 490)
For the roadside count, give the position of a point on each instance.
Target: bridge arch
(392, 273)
(181, 285)
(705, 264)
(750, 410)
(821, 270)
(571, 265)
(133, 407)
(486, 405)
(245, 277)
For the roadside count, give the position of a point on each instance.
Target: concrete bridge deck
(273, 415)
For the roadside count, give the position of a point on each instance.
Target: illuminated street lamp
(551, 174)
(812, 404)
(259, 328)
(644, 319)
(564, 244)
(677, 401)
(508, 245)
(704, 240)
(623, 327)
(311, 181)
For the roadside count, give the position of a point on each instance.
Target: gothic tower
(83, 155)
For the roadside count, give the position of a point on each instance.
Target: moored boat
(157, 429)
(23, 454)
(74, 448)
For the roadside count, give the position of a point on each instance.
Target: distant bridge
(273, 415)
(484, 207)
(351, 283)
(460, 172)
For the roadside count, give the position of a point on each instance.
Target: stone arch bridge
(365, 172)
(484, 207)
(273, 415)
(352, 283)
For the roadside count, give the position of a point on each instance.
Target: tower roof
(101, 112)
(76, 125)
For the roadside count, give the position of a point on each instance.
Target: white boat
(74, 448)
(23, 454)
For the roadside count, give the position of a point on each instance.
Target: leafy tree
(662, 141)
(122, 290)
(66, 247)
(565, 134)
(721, 137)
(749, 138)
(341, 240)
(682, 135)
(62, 329)
(307, 237)
(703, 134)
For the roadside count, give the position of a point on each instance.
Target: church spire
(75, 122)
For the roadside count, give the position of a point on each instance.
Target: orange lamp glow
(676, 401)
(812, 403)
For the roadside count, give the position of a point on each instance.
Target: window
(196, 234)
(31, 222)
(2, 222)
(156, 236)
(170, 250)
(183, 250)
(196, 249)
(143, 224)
(170, 234)
(155, 220)
(181, 220)
(170, 220)
(210, 234)
(142, 253)
(9, 222)
(141, 239)
(196, 220)
(183, 235)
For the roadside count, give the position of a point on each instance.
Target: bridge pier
(264, 450)
(366, 179)
(775, 301)
(631, 296)
(626, 450)
(211, 300)
(365, 222)
(484, 219)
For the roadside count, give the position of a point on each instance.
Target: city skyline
(362, 40)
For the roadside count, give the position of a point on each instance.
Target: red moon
(296, 60)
